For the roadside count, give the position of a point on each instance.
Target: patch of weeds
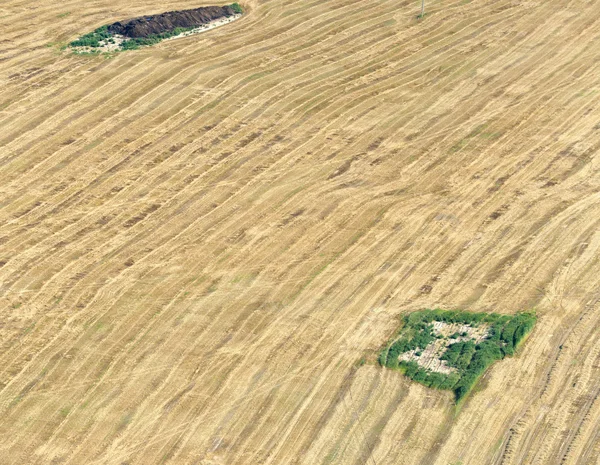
(125, 420)
(99, 326)
(214, 285)
(331, 456)
(463, 361)
(245, 278)
(260, 75)
(29, 328)
(96, 142)
(133, 44)
(490, 135)
(64, 15)
(458, 146)
(93, 39)
(58, 46)
(87, 53)
(480, 131)
(498, 444)
(237, 8)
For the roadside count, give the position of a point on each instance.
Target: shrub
(92, 39)
(237, 8)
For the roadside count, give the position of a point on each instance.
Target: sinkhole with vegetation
(451, 349)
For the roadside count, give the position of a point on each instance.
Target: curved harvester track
(199, 240)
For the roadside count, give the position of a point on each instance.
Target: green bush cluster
(93, 38)
(428, 378)
(460, 354)
(421, 335)
(237, 8)
(469, 359)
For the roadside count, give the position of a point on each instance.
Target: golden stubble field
(200, 240)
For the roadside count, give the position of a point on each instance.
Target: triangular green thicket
(451, 349)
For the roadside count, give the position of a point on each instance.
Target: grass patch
(124, 421)
(463, 358)
(64, 412)
(480, 131)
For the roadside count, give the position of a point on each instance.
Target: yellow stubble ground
(199, 240)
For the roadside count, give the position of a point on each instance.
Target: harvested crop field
(200, 240)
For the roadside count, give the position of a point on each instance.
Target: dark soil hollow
(146, 26)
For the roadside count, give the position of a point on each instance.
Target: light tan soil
(200, 240)
(207, 27)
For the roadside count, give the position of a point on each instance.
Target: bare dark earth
(146, 26)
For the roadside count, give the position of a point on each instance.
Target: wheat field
(200, 240)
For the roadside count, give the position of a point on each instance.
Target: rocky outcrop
(145, 26)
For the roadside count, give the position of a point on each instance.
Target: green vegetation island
(451, 349)
(150, 30)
